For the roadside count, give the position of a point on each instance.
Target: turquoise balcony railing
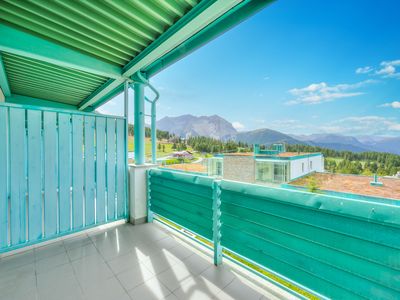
(60, 172)
(326, 246)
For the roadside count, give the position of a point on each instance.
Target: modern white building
(274, 166)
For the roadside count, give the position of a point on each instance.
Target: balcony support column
(139, 126)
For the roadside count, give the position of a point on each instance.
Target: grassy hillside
(160, 153)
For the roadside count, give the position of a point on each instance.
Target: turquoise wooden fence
(336, 247)
(60, 172)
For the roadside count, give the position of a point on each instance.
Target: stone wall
(239, 168)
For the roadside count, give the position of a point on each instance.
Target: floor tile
(238, 290)
(49, 250)
(8, 276)
(19, 295)
(126, 262)
(109, 288)
(196, 264)
(79, 252)
(114, 249)
(64, 288)
(123, 262)
(173, 277)
(91, 269)
(76, 242)
(171, 297)
(17, 260)
(18, 284)
(180, 252)
(152, 289)
(134, 276)
(49, 263)
(220, 276)
(160, 262)
(166, 243)
(55, 277)
(197, 289)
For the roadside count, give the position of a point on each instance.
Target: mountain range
(217, 127)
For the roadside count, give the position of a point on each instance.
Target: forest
(360, 163)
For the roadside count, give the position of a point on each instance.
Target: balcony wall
(334, 247)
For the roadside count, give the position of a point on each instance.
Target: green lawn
(168, 147)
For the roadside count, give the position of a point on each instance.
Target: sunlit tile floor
(127, 262)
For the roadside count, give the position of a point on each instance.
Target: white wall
(296, 166)
(2, 98)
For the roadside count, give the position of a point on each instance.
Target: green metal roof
(81, 52)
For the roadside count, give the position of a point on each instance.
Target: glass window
(272, 172)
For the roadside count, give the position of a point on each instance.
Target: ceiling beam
(195, 20)
(30, 101)
(27, 45)
(4, 86)
(106, 98)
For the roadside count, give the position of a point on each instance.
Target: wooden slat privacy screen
(60, 172)
(326, 246)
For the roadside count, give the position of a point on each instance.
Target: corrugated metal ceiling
(29, 77)
(114, 31)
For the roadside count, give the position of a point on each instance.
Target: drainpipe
(153, 116)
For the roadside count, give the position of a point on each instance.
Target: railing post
(149, 212)
(126, 115)
(217, 223)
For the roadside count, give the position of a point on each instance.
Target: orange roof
(354, 184)
(239, 154)
(188, 167)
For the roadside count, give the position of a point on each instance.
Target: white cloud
(103, 111)
(266, 77)
(394, 104)
(238, 126)
(317, 93)
(389, 69)
(364, 125)
(364, 70)
(386, 69)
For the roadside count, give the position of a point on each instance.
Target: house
(182, 154)
(273, 165)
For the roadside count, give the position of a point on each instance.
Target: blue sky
(299, 67)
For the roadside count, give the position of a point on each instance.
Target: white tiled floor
(126, 262)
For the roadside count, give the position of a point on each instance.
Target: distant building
(183, 154)
(274, 165)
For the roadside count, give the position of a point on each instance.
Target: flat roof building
(272, 166)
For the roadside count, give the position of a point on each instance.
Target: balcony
(126, 262)
(65, 178)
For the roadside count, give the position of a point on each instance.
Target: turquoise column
(139, 129)
(153, 133)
